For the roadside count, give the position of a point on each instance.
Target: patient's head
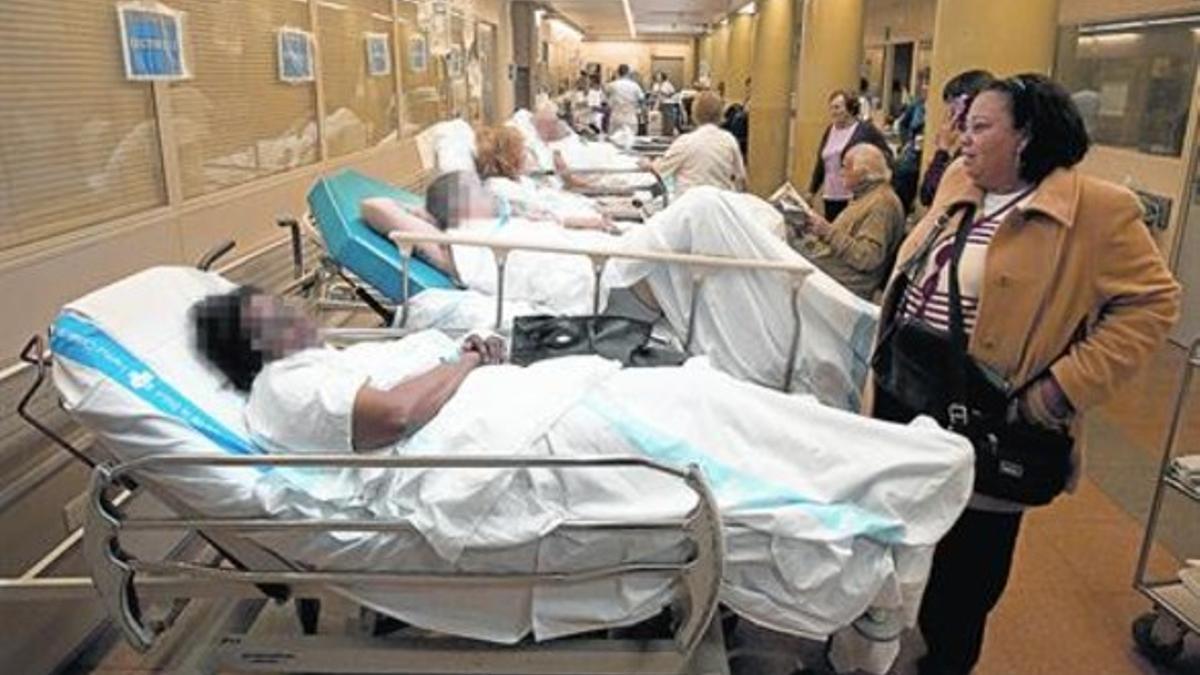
(457, 196)
(706, 108)
(863, 164)
(545, 120)
(241, 331)
(500, 151)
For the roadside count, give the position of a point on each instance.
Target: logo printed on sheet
(78, 339)
(141, 379)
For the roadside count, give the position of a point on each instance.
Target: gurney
(205, 470)
(608, 170)
(103, 382)
(833, 362)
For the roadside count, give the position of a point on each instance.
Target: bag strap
(912, 267)
(958, 334)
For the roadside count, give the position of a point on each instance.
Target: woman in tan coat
(1063, 296)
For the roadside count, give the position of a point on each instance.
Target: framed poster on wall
(295, 55)
(152, 42)
(379, 56)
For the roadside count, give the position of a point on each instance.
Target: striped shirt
(929, 298)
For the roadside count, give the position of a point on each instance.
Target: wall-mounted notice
(418, 53)
(152, 41)
(295, 55)
(379, 56)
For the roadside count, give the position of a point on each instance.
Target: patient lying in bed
(501, 160)
(825, 512)
(744, 321)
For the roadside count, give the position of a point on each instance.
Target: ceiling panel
(606, 18)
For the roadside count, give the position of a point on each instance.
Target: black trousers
(970, 570)
(833, 207)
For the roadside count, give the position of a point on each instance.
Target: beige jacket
(1073, 282)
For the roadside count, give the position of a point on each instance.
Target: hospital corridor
(600, 337)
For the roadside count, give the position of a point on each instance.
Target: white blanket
(562, 283)
(745, 323)
(744, 320)
(825, 512)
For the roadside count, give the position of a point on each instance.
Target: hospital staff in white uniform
(625, 99)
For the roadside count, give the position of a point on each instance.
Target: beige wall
(825, 64)
(741, 55)
(52, 273)
(497, 12)
(637, 55)
(565, 55)
(898, 21)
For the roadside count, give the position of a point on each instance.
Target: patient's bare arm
(382, 416)
(385, 216)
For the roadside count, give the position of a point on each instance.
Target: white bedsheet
(745, 323)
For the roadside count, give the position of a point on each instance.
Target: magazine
(796, 211)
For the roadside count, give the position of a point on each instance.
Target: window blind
(360, 109)
(78, 143)
(421, 98)
(235, 120)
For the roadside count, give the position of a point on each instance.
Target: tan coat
(1073, 282)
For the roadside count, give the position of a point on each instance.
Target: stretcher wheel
(1151, 644)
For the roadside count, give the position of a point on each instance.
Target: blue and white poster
(295, 55)
(152, 41)
(379, 57)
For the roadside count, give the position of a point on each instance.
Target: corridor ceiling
(607, 18)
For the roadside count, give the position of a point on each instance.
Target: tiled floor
(1070, 602)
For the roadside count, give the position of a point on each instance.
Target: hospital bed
(166, 426)
(612, 172)
(412, 295)
(122, 367)
(389, 277)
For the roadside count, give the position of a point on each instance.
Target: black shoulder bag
(920, 370)
(625, 339)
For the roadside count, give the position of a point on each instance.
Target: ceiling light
(1114, 26)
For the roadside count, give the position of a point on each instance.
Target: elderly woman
(1029, 278)
(709, 155)
(844, 130)
(857, 248)
(501, 160)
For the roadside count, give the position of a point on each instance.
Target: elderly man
(859, 246)
(707, 156)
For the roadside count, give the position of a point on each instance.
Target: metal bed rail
(118, 575)
(198, 568)
(701, 266)
(600, 191)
